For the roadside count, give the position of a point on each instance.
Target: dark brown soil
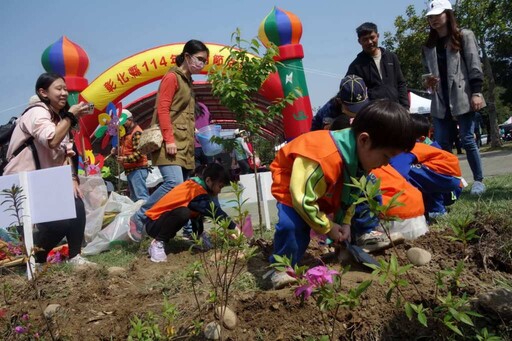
(99, 306)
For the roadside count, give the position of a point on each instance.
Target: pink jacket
(38, 123)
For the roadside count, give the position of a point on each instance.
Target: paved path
(493, 163)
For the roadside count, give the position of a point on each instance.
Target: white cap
(436, 7)
(127, 113)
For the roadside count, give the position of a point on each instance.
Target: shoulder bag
(151, 138)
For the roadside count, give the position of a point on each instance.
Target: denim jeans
(292, 235)
(173, 175)
(466, 124)
(137, 184)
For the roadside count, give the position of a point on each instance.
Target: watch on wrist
(72, 118)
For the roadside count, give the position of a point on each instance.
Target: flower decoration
(58, 254)
(94, 163)
(111, 125)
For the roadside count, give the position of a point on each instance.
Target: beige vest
(183, 123)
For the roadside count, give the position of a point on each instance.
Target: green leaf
(473, 313)
(454, 313)
(422, 318)
(362, 287)
(402, 283)
(408, 310)
(389, 293)
(453, 327)
(465, 319)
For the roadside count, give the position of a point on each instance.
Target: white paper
(51, 195)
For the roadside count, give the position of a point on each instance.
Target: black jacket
(392, 85)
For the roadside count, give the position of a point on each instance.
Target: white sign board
(49, 193)
(250, 193)
(48, 197)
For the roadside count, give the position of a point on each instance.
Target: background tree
(239, 79)
(411, 33)
(491, 23)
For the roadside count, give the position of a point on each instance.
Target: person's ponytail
(180, 59)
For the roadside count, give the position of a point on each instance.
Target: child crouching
(309, 176)
(192, 200)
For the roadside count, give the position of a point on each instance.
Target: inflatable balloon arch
(106, 92)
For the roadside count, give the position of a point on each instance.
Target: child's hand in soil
(339, 233)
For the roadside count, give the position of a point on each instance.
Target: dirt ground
(96, 305)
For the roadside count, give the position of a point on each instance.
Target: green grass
(120, 254)
(494, 203)
(507, 146)
(489, 212)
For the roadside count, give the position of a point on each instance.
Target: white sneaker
(79, 260)
(157, 252)
(478, 188)
(373, 241)
(281, 279)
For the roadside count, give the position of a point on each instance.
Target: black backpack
(6, 131)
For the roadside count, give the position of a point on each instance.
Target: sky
(112, 30)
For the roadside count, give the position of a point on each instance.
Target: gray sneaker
(478, 188)
(281, 279)
(78, 260)
(373, 241)
(157, 251)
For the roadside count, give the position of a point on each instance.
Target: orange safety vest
(392, 182)
(320, 147)
(127, 149)
(179, 196)
(437, 160)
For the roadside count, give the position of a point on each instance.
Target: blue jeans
(291, 238)
(466, 124)
(137, 184)
(173, 176)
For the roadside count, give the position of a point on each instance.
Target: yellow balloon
(122, 131)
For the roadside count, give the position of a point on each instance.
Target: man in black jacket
(380, 69)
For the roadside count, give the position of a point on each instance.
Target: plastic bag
(410, 228)
(95, 197)
(117, 230)
(154, 177)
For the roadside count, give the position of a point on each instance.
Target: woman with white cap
(455, 77)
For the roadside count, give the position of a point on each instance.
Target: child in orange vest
(191, 199)
(435, 172)
(411, 224)
(309, 174)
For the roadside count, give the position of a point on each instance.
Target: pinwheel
(110, 126)
(92, 165)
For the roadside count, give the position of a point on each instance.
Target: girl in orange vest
(192, 200)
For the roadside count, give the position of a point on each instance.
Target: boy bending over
(309, 174)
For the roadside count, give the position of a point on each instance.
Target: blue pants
(291, 238)
(173, 176)
(466, 124)
(137, 184)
